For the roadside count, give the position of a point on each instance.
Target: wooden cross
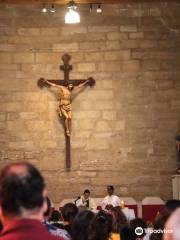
(66, 68)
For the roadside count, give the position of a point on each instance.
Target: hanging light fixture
(52, 9)
(72, 16)
(99, 9)
(44, 9)
(90, 7)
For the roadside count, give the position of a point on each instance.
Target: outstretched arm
(82, 84)
(50, 83)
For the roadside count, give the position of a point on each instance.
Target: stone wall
(124, 128)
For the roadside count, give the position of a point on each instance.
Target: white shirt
(113, 200)
(82, 202)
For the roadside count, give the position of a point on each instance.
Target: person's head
(172, 226)
(86, 193)
(119, 219)
(172, 205)
(80, 227)
(138, 222)
(127, 233)
(101, 226)
(55, 216)
(70, 86)
(69, 211)
(47, 214)
(159, 224)
(22, 191)
(110, 190)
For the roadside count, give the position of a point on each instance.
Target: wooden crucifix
(66, 89)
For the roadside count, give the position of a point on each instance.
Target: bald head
(21, 187)
(172, 227)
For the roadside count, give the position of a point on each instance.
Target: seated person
(54, 230)
(23, 203)
(68, 213)
(86, 200)
(101, 226)
(81, 225)
(55, 219)
(110, 199)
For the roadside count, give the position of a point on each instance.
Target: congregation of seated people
(26, 213)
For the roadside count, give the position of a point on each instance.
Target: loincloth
(67, 108)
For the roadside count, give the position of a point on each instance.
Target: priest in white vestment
(110, 199)
(86, 201)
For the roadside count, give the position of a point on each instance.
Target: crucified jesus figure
(66, 95)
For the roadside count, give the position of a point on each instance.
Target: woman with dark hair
(159, 225)
(68, 212)
(80, 227)
(101, 226)
(119, 221)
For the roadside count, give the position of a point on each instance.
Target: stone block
(23, 57)
(148, 44)
(82, 134)
(5, 58)
(102, 126)
(155, 12)
(109, 115)
(136, 35)
(28, 115)
(91, 114)
(92, 46)
(117, 36)
(49, 31)
(96, 144)
(153, 64)
(94, 56)
(86, 67)
(129, 66)
(104, 104)
(77, 57)
(96, 36)
(65, 47)
(5, 47)
(57, 160)
(71, 30)
(87, 174)
(101, 94)
(48, 144)
(110, 66)
(2, 116)
(29, 31)
(21, 145)
(10, 67)
(86, 124)
(112, 45)
(53, 58)
(129, 44)
(114, 55)
(128, 28)
(98, 29)
(11, 107)
(107, 84)
(120, 125)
